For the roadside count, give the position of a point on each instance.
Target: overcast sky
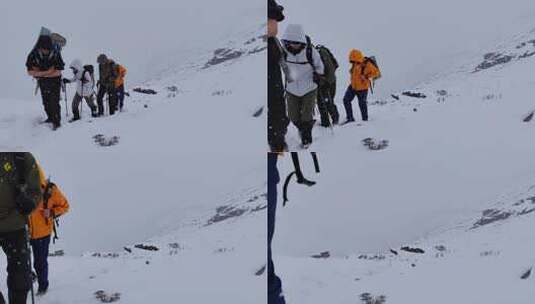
(133, 32)
(412, 39)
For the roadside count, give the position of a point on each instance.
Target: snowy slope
(450, 156)
(182, 157)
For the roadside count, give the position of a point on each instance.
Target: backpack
(373, 61)
(329, 62)
(88, 69)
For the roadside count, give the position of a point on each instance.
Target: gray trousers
(301, 109)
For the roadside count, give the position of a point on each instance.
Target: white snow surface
(182, 156)
(453, 158)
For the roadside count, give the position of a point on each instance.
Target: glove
(65, 80)
(25, 204)
(318, 79)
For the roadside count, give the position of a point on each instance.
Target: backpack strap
(310, 58)
(20, 165)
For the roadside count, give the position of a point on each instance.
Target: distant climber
(363, 71)
(85, 88)
(106, 84)
(305, 68)
(277, 116)
(119, 85)
(327, 88)
(45, 64)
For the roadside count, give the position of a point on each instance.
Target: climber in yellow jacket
(363, 71)
(41, 224)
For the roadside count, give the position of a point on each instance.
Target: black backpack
(88, 69)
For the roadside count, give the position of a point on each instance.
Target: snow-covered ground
(186, 175)
(460, 155)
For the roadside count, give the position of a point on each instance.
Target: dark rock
(368, 298)
(491, 216)
(146, 247)
(105, 297)
(223, 55)
(493, 59)
(260, 271)
(528, 117)
(414, 94)
(526, 274)
(412, 250)
(104, 141)
(323, 255)
(258, 112)
(145, 91)
(375, 145)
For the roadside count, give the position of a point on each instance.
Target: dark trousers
(112, 99)
(19, 279)
(50, 93)
(326, 105)
(40, 260)
(277, 119)
(77, 101)
(363, 103)
(274, 282)
(120, 96)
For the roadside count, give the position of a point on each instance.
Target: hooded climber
(41, 224)
(84, 88)
(106, 84)
(304, 69)
(19, 195)
(363, 71)
(45, 64)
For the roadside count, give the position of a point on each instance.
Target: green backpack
(330, 64)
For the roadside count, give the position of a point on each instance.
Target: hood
(77, 64)
(356, 56)
(295, 32)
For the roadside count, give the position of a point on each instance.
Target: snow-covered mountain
(453, 176)
(167, 197)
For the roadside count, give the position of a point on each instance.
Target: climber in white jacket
(84, 88)
(303, 67)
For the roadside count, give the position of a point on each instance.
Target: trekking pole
(28, 250)
(299, 174)
(66, 102)
(330, 122)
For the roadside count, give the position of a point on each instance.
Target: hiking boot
(41, 291)
(306, 133)
(56, 126)
(349, 120)
(75, 118)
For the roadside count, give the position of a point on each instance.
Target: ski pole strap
(285, 189)
(299, 174)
